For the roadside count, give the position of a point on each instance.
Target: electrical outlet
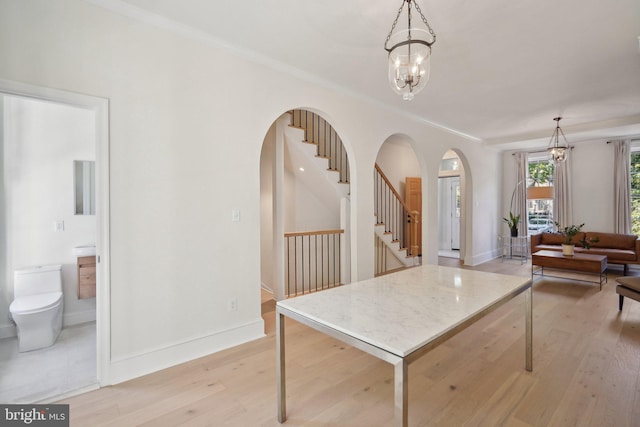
(232, 305)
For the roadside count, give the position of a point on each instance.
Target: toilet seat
(35, 303)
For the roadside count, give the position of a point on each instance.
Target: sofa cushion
(612, 255)
(630, 282)
(611, 240)
(558, 239)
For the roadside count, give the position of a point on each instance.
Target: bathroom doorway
(44, 134)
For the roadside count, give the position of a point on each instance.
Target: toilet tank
(37, 280)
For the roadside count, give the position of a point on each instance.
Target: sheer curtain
(562, 206)
(621, 186)
(519, 199)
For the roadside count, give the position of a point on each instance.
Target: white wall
(398, 161)
(185, 150)
(311, 201)
(267, 258)
(591, 179)
(593, 185)
(42, 139)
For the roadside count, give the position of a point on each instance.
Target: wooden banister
(393, 190)
(313, 233)
(392, 211)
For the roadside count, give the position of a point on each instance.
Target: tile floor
(40, 375)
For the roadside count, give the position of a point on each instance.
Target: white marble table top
(401, 312)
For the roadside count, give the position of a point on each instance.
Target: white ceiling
(500, 69)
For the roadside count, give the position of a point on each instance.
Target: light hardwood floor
(586, 372)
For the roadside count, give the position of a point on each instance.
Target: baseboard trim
(481, 258)
(126, 368)
(266, 288)
(71, 319)
(8, 331)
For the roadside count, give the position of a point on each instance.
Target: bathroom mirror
(84, 187)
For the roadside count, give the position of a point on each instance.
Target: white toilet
(37, 306)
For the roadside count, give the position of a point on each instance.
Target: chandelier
(556, 149)
(409, 54)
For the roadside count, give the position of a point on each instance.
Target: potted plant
(512, 222)
(569, 232)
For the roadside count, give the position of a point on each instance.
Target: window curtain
(519, 197)
(621, 186)
(562, 206)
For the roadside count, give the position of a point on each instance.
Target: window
(635, 188)
(540, 193)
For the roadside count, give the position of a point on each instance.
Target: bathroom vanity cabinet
(86, 277)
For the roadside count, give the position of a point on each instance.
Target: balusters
(314, 263)
(329, 145)
(390, 210)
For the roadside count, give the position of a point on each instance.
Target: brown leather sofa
(619, 248)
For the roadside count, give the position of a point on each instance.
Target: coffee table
(580, 262)
(401, 316)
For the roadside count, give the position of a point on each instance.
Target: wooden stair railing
(319, 132)
(312, 261)
(392, 211)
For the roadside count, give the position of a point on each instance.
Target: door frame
(100, 107)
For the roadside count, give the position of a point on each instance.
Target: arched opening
(452, 206)
(304, 199)
(397, 206)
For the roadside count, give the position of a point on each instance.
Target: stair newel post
(406, 229)
(414, 233)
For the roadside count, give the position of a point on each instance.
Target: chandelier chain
(424, 19)
(393, 26)
(395, 21)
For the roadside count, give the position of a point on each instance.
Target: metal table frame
(401, 364)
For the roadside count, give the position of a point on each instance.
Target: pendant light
(409, 54)
(556, 149)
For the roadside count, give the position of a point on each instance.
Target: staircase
(328, 145)
(396, 226)
(318, 259)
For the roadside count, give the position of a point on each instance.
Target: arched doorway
(397, 206)
(305, 191)
(451, 206)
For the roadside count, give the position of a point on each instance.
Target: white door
(455, 213)
(449, 213)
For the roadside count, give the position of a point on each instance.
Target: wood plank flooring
(586, 372)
